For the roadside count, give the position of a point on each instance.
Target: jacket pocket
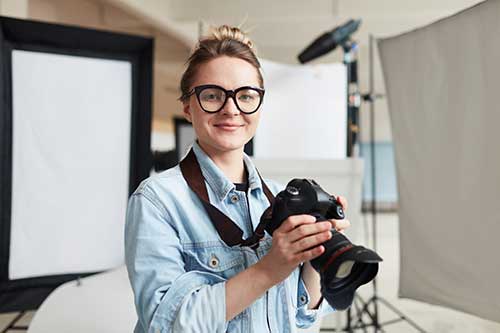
(213, 258)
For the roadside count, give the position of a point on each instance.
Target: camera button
(292, 190)
(235, 198)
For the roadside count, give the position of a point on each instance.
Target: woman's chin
(232, 147)
(229, 145)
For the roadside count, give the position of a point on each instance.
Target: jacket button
(234, 198)
(214, 262)
(302, 299)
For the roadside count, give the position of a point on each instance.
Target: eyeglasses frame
(229, 94)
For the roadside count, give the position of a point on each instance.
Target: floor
(432, 319)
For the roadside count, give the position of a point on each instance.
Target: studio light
(329, 41)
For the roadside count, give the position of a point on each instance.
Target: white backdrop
(304, 114)
(442, 83)
(71, 137)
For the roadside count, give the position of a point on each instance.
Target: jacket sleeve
(157, 274)
(307, 317)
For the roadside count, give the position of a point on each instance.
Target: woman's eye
(211, 97)
(246, 98)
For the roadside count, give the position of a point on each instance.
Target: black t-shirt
(243, 187)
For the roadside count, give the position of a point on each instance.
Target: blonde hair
(234, 33)
(221, 41)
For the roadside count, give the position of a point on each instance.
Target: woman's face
(229, 129)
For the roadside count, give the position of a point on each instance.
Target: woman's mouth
(228, 127)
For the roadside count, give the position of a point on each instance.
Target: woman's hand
(297, 240)
(341, 225)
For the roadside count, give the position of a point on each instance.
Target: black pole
(347, 61)
(373, 178)
(353, 96)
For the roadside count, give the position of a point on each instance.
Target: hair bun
(225, 32)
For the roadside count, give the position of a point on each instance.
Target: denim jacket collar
(216, 179)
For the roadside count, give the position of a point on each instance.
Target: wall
(14, 8)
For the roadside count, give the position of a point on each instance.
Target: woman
(186, 272)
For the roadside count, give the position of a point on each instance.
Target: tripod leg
(365, 310)
(12, 324)
(360, 318)
(402, 315)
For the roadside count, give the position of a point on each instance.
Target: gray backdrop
(443, 86)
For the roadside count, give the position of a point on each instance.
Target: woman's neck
(230, 162)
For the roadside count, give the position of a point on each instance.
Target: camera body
(343, 266)
(303, 196)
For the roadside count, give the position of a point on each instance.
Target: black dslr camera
(343, 266)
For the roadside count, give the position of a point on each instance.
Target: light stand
(364, 317)
(362, 307)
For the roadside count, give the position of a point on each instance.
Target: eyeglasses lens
(211, 99)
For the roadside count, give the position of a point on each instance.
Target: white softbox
(75, 141)
(442, 83)
(304, 114)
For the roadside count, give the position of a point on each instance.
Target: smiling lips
(228, 126)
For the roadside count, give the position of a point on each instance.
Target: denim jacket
(178, 264)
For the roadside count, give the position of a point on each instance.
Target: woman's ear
(187, 112)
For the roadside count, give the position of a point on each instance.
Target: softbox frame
(52, 39)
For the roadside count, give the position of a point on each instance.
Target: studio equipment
(75, 122)
(329, 41)
(341, 36)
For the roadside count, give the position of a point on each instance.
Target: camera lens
(344, 269)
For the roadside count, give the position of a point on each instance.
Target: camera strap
(229, 231)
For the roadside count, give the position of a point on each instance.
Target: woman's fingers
(311, 254)
(305, 230)
(340, 225)
(294, 221)
(311, 241)
(343, 201)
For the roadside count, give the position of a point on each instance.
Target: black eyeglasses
(212, 98)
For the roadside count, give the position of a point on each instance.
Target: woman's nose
(230, 107)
